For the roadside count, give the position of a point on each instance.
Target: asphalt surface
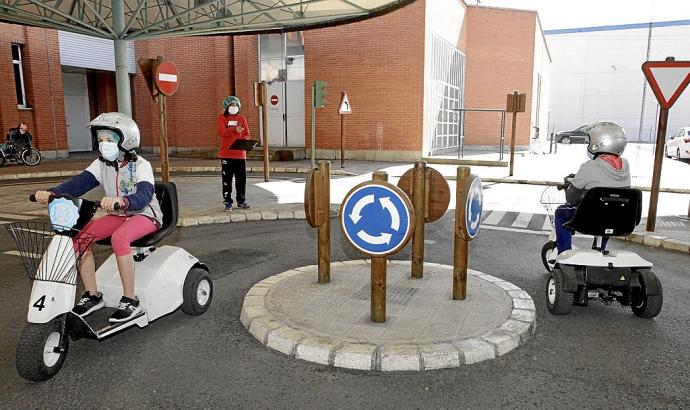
(596, 357)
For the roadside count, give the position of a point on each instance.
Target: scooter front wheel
(548, 255)
(39, 354)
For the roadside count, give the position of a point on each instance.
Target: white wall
(78, 50)
(596, 75)
(542, 67)
(443, 17)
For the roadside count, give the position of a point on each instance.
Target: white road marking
(522, 220)
(494, 218)
(17, 216)
(30, 255)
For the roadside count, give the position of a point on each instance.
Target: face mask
(590, 155)
(233, 110)
(109, 150)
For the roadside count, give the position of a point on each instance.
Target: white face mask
(233, 110)
(109, 150)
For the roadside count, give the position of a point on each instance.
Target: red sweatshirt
(230, 128)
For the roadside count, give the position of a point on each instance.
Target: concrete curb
(368, 355)
(653, 240)
(69, 173)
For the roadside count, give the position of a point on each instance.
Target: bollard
(419, 200)
(460, 246)
(322, 197)
(378, 276)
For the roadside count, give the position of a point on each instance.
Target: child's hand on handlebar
(43, 196)
(108, 203)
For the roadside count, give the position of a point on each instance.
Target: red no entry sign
(166, 76)
(274, 100)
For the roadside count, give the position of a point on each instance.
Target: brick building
(405, 73)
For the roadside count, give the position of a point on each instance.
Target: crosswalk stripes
(522, 220)
(517, 220)
(494, 217)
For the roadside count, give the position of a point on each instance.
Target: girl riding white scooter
(133, 210)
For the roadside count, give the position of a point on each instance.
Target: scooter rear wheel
(648, 306)
(37, 358)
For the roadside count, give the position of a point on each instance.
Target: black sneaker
(127, 310)
(88, 303)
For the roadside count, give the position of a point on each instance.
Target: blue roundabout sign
(473, 206)
(376, 218)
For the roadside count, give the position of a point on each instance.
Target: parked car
(679, 144)
(576, 136)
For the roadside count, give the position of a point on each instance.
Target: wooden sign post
(430, 196)
(377, 218)
(515, 103)
(317, 207)
(468, 215)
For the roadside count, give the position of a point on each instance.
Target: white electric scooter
(577, 275)
(166, 278)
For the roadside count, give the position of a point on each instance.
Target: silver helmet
(120, 123)
(606, 138)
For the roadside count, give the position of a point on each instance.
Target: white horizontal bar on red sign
(171, 78)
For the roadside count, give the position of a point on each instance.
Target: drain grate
(397, 295)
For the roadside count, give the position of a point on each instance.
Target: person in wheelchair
(128, 182)
(18, 137)
(606, 168)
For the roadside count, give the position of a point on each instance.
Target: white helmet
(120, 123)
(606, 138)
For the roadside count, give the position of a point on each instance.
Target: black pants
(234, 168)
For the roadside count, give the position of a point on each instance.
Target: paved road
(596, 357)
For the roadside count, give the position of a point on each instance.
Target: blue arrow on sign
(473, 208)
(375, 219)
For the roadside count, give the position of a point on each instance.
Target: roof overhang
(147, 19)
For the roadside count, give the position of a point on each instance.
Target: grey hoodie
(597, 173)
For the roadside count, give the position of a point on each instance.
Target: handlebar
(116, 207)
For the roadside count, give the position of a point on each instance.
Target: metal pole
(342, 140)
(418, 200)
(656, 176)
(460, 245)
(124, 95)
(313, 126)
(378, 276)
(165, 173)
(503, 134)
(512, 132)
(264, 127)
(322, 197)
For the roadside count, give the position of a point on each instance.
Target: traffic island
(425, 329)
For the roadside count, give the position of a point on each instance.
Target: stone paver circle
(425, 329)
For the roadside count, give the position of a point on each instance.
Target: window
(18, 75)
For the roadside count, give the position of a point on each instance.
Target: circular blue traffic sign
(376, 218)
(473, 207)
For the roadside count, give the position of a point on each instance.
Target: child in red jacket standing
(232, 126)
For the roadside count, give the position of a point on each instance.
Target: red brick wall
(205, 66)
(43, 86)
(500, 59)
(246, 58)
(102, 92)
(384, 80)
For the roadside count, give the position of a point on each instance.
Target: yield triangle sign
(345, 107)
(668, 80)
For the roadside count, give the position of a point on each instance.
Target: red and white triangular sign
(345, 107)
(668, 79)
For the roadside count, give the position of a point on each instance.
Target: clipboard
(244, 145)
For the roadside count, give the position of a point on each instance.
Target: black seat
(166, 192)
(607, 212)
